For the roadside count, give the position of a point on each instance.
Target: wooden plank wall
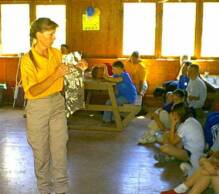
(104, 45)
(8, 68)
(158, 70)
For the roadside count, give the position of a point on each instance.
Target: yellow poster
(91, 22)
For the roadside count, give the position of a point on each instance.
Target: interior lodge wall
(158, 71)
(104, 45)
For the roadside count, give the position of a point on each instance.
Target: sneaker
(160, 157)
(151, 139)
(143, 138)
(147, 139)
(185, 167)
(159, 137)
(170, 192)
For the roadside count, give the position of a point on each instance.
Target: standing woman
(42, 78)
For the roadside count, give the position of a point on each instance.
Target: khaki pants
(47, 135)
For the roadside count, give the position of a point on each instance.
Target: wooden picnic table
(130, 110)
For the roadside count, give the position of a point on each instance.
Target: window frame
(158, 29)
(198, 29)
(145, 56)
(32, 15)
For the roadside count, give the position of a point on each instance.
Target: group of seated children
(206, 175)
(131, 80)
(175, 126)
(183, 139)
(160, 119)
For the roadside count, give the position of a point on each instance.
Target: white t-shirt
(197, 88)
(191, 133)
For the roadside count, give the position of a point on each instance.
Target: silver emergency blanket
(73, 84)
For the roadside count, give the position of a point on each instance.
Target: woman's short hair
(41, 25)
(182, 110)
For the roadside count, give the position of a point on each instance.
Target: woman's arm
(46, 83)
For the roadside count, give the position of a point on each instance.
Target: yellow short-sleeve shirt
(32, 73)
(137, 72)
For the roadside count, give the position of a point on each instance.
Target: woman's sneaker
(160, 157)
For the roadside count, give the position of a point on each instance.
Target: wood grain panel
(8, 68)
(159, 70)
(103, 43)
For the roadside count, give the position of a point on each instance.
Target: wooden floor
(98, 162)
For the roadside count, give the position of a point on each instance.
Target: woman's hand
(82, 64)
(61, 71)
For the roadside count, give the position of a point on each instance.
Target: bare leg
(200, 185)
(215, 183)
(171, 150)
(191, 180)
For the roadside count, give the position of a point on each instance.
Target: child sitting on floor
(186, 141)
(160, 118)
(207, 174)
(125, 90)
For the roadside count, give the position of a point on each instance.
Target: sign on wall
(91, 20)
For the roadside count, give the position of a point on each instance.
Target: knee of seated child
(165, 148)
(153, 128)
(166, 137)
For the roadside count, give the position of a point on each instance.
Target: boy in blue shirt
(125, 90)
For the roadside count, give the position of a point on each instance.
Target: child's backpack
(211, 128)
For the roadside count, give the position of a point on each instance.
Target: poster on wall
(91, 21)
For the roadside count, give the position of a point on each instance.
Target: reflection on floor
(98, 162)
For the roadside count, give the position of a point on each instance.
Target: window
(210, 33)
(178, 29)
(139, 28)
(58, 15)
(15, 26)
